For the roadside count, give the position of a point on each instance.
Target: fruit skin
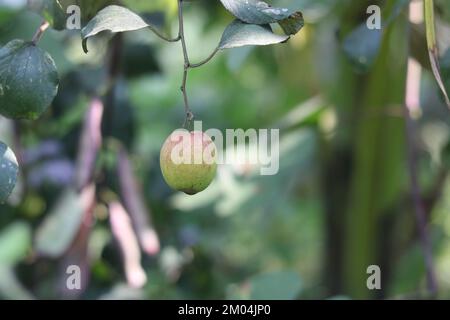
(199, 167)
(28, 80)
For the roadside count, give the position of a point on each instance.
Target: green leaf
(51, 10)
(239, 34)
(362, 46)
(260, 12)
(277, 285)
(433, 49)
(15, 241)
(293, 23)
(9, 170)
(114, 19)
(60, 227)
(28, 80)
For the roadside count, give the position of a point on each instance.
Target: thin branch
(40, 32)
(181, 34)
(189, 114)
(187, 109)
(187, 64)
(196, 65)
(162, 36)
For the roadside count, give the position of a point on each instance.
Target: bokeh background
(340, 202)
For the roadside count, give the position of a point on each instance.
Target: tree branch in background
(412, 98)
(125, 236)
(78, 253)
(90, 143)
(419, 207)
(134, 203)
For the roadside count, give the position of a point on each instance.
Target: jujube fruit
(188, 161)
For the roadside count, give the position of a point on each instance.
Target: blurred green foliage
(340, 202)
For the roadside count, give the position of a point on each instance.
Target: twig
(187, 109)
(40, 32)
(187, 64)
(162, 36)
(181, 34)
(196, 65)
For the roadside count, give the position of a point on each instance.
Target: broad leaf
(60, 227)
(8, 171)
(15, 241)
(362, 46)
(28, 80)
(260, 12)
(114, 19)
(51, 10)
(239, 34)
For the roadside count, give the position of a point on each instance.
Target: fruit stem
(40, 32)
(187, 64)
